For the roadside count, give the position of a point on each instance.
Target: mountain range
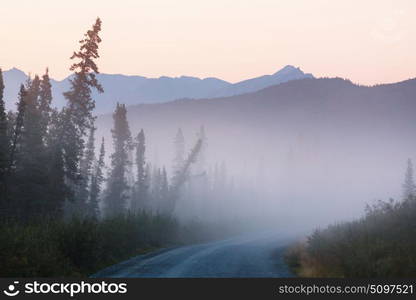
(296, 137)
(132, 90)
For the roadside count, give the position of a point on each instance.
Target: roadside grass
(79, 247)
(381, 244)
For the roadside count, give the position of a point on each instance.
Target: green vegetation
(64, 211)
(381, 244)
(82, 246)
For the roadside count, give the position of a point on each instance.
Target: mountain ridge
(135, 89)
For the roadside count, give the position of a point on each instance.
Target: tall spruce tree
(117, 190)
(179, 145)
(181, 177)
(11, 208)
(45, 101)
(31, 178)
(148, 171)
(77, 115)
(51, 127)
(156, 183)
(11, 122)
(97, 180)
(140, 195)
(164, 187)
(86, 165)
(409, 187)
(58, 190)
(4, 148)
(17, 129)
(200, 164)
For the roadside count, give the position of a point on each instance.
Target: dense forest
(63, 208)
(48, 163)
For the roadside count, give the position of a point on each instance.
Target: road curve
(246, 256)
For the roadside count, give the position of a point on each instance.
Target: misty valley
(276, 176)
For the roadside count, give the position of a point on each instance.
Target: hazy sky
(366, 41)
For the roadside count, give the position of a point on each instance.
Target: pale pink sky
(370, 41)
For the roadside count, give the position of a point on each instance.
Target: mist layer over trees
(308, 151)
(311, 149)
(69, 206)
(50, 166)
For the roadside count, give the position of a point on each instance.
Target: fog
(299, 155)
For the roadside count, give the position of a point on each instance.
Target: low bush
(381, 244)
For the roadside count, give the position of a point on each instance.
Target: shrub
(381, 244)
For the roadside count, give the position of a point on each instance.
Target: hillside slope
(343, 143)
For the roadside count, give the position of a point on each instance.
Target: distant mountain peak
(285, 74)
(15, 71)
(289, 69)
